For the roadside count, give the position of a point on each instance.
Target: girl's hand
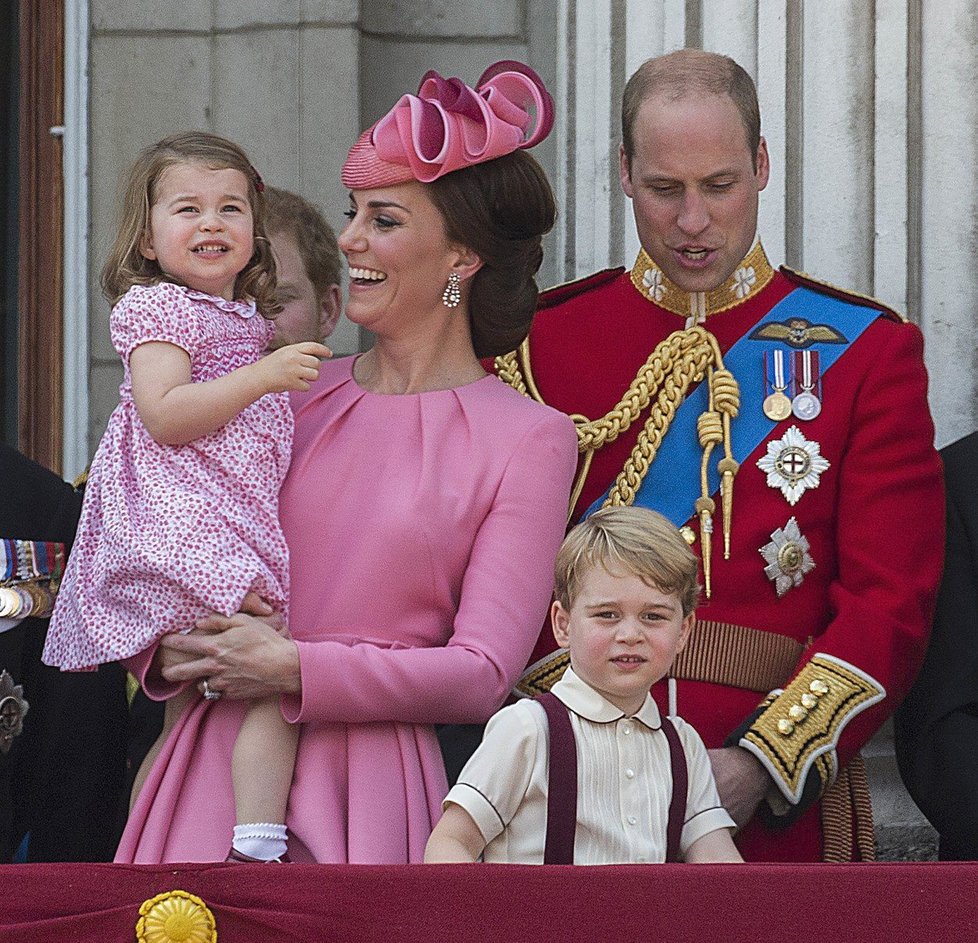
(253, 605)
(291, 368)
(176, 410)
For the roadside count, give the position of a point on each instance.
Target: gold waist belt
(737, 656)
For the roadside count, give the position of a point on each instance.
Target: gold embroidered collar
(753, 274)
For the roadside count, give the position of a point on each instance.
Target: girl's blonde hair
(127, 266)
(632, 540)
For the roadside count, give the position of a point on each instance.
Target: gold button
(785, 727)
(797, 713)
(818, 687)
(809, 700)
(688, 534)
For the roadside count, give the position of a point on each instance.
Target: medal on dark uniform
(30, 573)
(776, 405)
(807, 404)
(9, 602)
(13, 707)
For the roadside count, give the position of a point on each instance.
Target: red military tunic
(873, 525)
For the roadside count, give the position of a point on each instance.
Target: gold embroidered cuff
(798, 728)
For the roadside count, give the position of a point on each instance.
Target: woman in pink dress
(423, 507)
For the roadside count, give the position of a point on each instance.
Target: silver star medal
(13, 707)
(793, 464)
(787, 557)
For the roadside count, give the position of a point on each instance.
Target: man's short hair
(632, 540)
(682, 72)
(289, 213)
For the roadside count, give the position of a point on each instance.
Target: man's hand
(741, 781)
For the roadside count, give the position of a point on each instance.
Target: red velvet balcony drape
(882, 903)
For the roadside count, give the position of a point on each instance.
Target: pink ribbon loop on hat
(448, 126)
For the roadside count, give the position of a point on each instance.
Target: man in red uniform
(784, 425)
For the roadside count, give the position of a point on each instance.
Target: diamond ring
(210, 695)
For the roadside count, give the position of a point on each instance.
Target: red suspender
(562, 785)
(680, 786)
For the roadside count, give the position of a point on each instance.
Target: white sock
(263, 840)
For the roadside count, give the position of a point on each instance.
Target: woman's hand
(249, 655)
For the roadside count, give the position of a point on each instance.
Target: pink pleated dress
(170, 533)
(422, 530)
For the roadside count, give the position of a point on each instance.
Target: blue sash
(674, 494)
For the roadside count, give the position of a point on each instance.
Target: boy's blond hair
(630, 539)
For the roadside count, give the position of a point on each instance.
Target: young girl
(181, 508)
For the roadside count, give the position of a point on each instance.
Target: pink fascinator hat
(448, 125)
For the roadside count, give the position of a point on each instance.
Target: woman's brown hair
(500, 209)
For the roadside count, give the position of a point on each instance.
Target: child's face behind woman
(201, 228)
(623, 635)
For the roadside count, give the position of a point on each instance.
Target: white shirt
(624, 782)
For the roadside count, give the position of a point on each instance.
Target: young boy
(625, 598)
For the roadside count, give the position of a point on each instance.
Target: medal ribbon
(674, 495)
(807, 370)
(778, 384)
(29, 575)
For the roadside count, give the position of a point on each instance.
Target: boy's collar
(577, 695)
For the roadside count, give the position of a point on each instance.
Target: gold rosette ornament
(175, 917)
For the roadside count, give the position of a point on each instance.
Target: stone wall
(902, 832)
(281, 79)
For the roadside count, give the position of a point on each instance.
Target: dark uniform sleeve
(937, 726)
(37, 504)
(61, 780)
